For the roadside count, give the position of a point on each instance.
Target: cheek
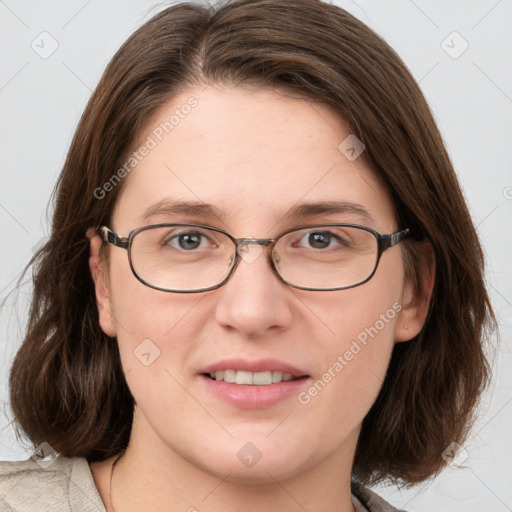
(155, 330)
(353, 372)
(356, 350)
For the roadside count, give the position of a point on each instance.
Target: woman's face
(254, 156)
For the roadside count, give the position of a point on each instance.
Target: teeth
(229, 376)
(244, 377)
(261, 378)
(250, 378)
(277, 376)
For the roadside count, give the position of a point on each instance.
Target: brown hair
(67, 385)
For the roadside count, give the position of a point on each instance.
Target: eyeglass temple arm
(110, 237)
(390, 240)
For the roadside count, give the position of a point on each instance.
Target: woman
(263, 287)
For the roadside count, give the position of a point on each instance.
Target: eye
(322, 239)
(187, 241)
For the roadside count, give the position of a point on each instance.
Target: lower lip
(254, 397)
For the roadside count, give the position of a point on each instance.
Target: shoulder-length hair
(67, 385)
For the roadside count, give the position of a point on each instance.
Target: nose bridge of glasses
(255, 241)
(242, 247)
(242, 244)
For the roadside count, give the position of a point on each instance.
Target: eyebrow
(327, 208)
(170, 207)
(207, 211)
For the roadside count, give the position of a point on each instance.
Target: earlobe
(416, 302)
(105, 311)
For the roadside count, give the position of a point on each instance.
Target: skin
(252, 153)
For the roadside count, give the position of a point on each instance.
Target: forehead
(251, 154)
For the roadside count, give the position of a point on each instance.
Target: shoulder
(371, 500)
(64, 485)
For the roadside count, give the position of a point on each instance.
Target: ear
(415, 303)
(100, 278)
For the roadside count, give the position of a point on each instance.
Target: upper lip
(258, 365)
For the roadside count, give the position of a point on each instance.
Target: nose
(254, 301)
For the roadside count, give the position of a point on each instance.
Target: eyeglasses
(190, 258)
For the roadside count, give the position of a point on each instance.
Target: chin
(264, 472)
(257, 462)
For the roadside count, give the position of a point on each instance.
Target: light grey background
(41, 100)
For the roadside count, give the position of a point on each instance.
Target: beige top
(67, 485)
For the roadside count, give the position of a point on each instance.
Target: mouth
(253, 384)
(264, 378)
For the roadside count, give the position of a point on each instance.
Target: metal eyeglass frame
(384, 242)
